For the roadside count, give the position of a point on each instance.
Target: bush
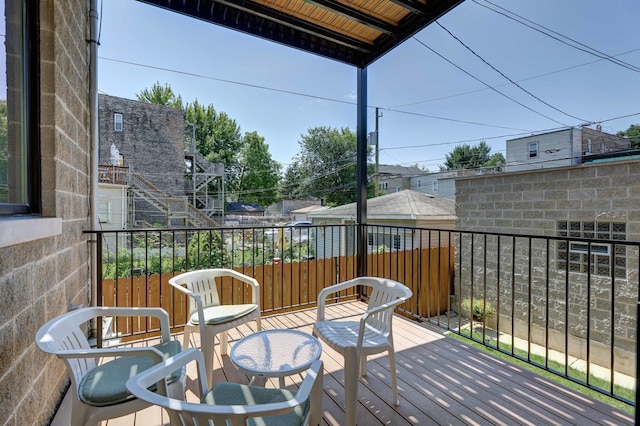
(479, 310)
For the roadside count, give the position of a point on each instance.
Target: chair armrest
(153, 353)
(197, 299)
(161, 314)
(322, 295)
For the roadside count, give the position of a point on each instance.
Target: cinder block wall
(532, 203)
(39, 279)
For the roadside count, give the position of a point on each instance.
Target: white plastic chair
(232, 404)
(355, 340)
(99, 391)
(208, 316)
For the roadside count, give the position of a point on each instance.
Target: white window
(533, 149)
(398, 188)
(435, 186)
(419, 183)
(104, 211)
(384, 185)
(117, 122)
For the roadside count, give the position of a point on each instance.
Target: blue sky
(428, 106)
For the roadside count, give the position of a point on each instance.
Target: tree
(259, 173)
(218, 139)
(633, 134)
(325, 167)
(472, 157)
(160, 96)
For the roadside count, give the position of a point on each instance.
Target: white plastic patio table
(275, 353)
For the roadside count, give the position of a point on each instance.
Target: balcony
(440, 380)
(561, 304)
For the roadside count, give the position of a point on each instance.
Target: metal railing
(567, 305)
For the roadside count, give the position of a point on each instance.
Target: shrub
(479, 310)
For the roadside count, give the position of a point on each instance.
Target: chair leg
(351, 379)
(258, 324)
(207, 345)
(392, 370)
(224, 342)
(185, 338)
(317, 392)
(363, 365)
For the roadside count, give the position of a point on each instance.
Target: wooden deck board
(441, 380)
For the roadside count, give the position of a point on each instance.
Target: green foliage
(206, 250)
(633, 134)
(325, 167)
(479, 310)
(160, 96)
(381, 249)
(472, 157)
(259, 173)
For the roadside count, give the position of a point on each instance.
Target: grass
(620, 391)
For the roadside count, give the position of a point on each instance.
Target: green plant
(478, 309)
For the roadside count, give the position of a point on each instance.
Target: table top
(275, 353)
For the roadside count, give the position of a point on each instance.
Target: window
(104, 211)
(435, 186)
(117, 122)
(419, 183)
(533, 149)
(398, 188)
(576, 256)
(19, 111)
(384, 185)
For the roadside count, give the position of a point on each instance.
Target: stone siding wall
(526, 278)
(151, 141)
(41, 278)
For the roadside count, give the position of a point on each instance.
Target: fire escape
(204, 183)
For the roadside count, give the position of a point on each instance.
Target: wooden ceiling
(356, 32)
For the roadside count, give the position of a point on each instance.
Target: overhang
(356, 32)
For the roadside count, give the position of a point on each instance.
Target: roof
(244, 207)
(407, 204)
(308, 209)
(388, 169)
(356, 32)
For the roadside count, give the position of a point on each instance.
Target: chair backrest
(190, 413)
(68, 332)
(203, 283)
(384, 291)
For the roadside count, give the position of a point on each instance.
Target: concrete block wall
(40, 278)
(532, 203)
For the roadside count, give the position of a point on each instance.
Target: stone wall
(529, 278)
(40, 278)
(151, 141)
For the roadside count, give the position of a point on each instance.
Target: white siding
(555, 149)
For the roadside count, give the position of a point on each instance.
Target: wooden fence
(291, 286)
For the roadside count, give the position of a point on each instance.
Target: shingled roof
(407, 204)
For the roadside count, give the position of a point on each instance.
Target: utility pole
(377, 180)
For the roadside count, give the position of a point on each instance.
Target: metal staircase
(172, 207)
(205, 190)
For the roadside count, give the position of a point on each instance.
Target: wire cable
(506, 77)
(489, 86)
(587, 49)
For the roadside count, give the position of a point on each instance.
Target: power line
(502, 74)
(487, 85)
(255, 86)
(586, 49)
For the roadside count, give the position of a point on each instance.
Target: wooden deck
(441, 380)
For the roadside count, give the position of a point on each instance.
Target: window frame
(532, 153)
(31, 107)
(118, 119)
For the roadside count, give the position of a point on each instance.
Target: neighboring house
(150, 140)
(438, 184)
(396, 178)
(285, 207)
(302, 214)
(565, 147)
(403, 209)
